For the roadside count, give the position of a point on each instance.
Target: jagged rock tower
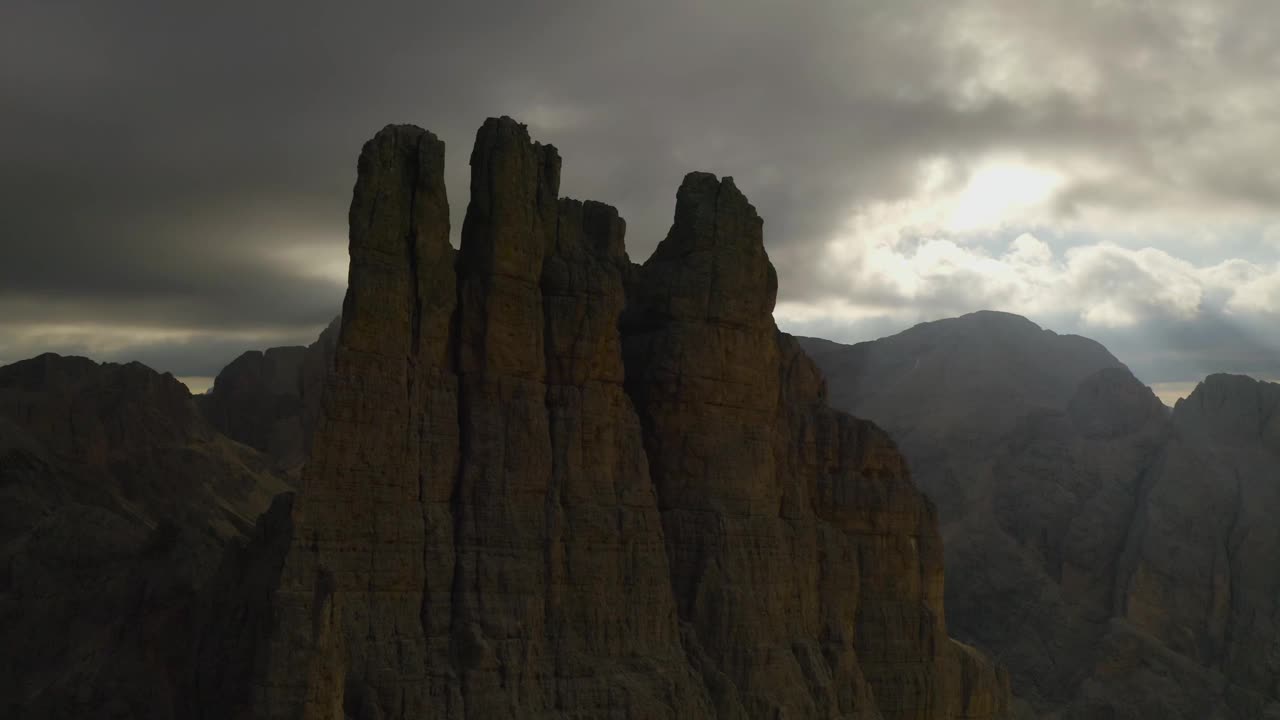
(549, 483)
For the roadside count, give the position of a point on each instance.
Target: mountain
(548, 482)
(270, 400)
(1117, 557)
(117, 501)
(962, 370)
(534, 479)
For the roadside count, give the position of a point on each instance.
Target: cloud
(172, 169)
(1103, 286)
(1168, 319)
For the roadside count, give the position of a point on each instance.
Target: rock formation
(270, 400)
(116, 502)
(546, 482)
(1119, 559)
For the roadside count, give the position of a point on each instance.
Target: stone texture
(1117, 557)
(546, 482)
(767, 495)
(116, 501)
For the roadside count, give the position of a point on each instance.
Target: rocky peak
(1112, 403)
(399, 221)
(511, 218)
(269, 400)
(547, 483)
(275, 369)
(699, 335)
(91, 410)
(1232, 408)
(712, 265)
(979, 374)
(510, 226)
(60, 375)
(49, 372)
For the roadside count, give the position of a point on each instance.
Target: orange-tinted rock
(806, 563)
(547, 483)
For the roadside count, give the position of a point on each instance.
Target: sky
(176, 176)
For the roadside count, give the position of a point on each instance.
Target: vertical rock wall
(548, 483)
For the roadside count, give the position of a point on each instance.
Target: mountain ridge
(1112, 552)
(117, 499)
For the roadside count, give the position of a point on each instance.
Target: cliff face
(546, 482)
(1199, 571)
(116, 502)
(1119, 559)
(270, 400)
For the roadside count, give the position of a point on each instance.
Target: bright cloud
(1170, 320)
(1101, 285)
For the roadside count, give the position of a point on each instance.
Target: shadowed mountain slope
(117, 500)
(270, 400)
(1119, 558)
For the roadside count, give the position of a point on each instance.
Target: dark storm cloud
(159, 158)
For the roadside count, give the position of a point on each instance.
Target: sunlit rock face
(546, 482)
(1120, 559)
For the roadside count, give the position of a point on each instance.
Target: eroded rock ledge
(546, 482)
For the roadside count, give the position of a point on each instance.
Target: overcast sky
(175, 182)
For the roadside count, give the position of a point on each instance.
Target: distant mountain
(988, 366)
(1121, 559)
(117, 501)
(270, 400)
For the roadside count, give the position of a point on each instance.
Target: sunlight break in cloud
(998, 191)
